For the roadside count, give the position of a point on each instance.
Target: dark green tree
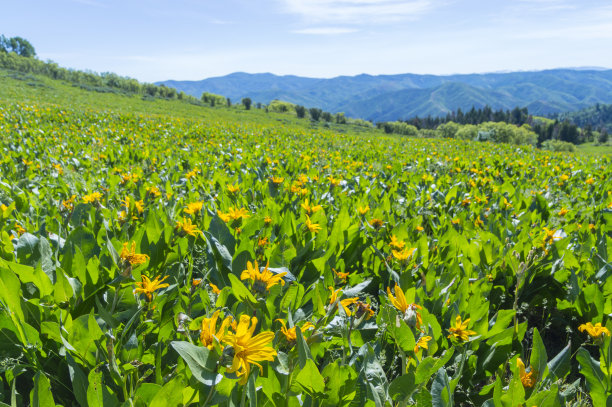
(300, 111)
(315, 113)
(246, 102)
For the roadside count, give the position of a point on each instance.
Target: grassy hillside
(158, 253)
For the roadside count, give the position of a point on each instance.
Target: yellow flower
(214, 288)
(311, 208)
(363, 210)
(528, 379)
(187, 228)
(340, 275)
(455, 221)
(233, 214)
(267, 220)
(277, 180)
(154, 192)
(148, 286)
(422, 343)
(192, 174)
(590, 181)
(262, 281)
(563, 212)
(129, 255)
(209, 331)
(376, 223)
(399, 301)
(344, 303)
(262, 241)
(313, 227)
(139, 206)
(404, 254)
(19, 229)
(233, 189)
(69, 203)
(93, 197)
(196, 282)
(290, 333)
(194, 207)
(396, 244)
(597, 332)
(419, 228)
(334, 182)
(364, 309)
(460, 331)
(249, 349)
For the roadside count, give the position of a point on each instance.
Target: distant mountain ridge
(395, 97)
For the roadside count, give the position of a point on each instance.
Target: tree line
(560, 128)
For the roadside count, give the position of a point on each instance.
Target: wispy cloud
(357, 11)
(325, 31)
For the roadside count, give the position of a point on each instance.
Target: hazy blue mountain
(392, 97)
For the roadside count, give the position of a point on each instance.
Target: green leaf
(430, 365)
(98, 394)
(171, 394)
(596, 381)
(145, 393)
(339, 383)
(309, 379)
(41, 395)
(302, 347)
(559, 366)
(10, 293)
(402, 387)
(375, 378)
(79, 380)
(240, 291)
(201, 361)
(441, 394)
(538, 358)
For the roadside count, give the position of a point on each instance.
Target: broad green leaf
(201, 361)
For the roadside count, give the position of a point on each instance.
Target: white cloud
(357, 11)
(325, 31)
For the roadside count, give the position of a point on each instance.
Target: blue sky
(155, 40)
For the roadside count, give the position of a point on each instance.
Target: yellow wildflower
(404, 254)
(310, 209)
(597, 331)
(422, 343)
(148, 286)
(209, 331)
(129, 255)
(194, 207)
(233, 189)
(311, 226)
(396, 244)
(376, 223)
(187, 228)
(91, 198)
(460, 331)
(528, 379)
(363, 210)
(290, 333)
(214, 288)
(249, 349)
(262, 280)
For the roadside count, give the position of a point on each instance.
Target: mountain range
(403, 96)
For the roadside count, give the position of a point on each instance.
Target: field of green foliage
(176, 259)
